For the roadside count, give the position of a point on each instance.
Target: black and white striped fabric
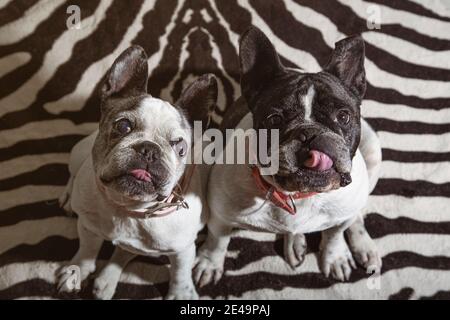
(49, 75)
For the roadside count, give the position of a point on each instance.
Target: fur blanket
(49, 75)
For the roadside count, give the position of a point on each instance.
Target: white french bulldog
(130, 182)
(329, 159)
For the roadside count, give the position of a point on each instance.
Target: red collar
(277, 197)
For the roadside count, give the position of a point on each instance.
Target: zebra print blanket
(49, 75)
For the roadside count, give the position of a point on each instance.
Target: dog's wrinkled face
(142, 147)
(318, 115)
(143, 142)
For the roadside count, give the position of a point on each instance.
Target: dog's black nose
(306, 134)
(149, 150)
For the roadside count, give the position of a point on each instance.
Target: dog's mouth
(317, 173)
(136, 182)
(141, 175)
(318, 161)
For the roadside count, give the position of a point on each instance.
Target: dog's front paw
(182, 292)
(366, 253)
(69, 279)
(294, 249)
(337, 261)
(104, 287)
(207, 268)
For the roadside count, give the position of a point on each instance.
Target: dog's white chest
(165, 234)
(312, 214)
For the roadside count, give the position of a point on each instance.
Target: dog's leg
(211, 256)
(64, 198)
(294, 249)
(362, 246)
(82, 264)
(335, 257)
(105, 283)
(181, 286)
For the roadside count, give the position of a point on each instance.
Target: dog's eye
(274, 120)
(343, 117)
(123, 126)
(179, 146)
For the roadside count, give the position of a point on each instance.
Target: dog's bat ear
(259, 61)
(199, 99)
(127, 76)
(347, 63)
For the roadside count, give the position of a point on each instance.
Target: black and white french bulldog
(130, 182)
(329, 159)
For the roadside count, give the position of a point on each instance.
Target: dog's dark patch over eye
(179, 146)
(123, 126)
(275, 120)
(343, 117)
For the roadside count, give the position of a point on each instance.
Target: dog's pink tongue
(318, 161)
(141, 174)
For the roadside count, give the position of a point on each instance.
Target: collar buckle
(293, 206)
(269, 194)
(165, 208)
(174, 201)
